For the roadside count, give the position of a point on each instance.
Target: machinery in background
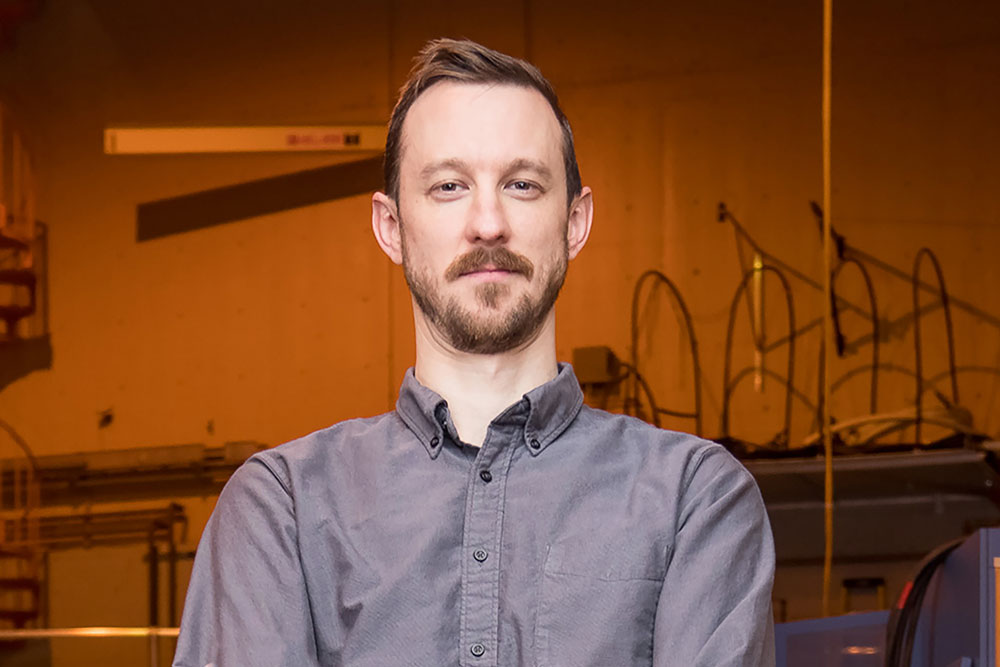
(947, 616)
(24, 334)
(21, 556)
(906, 479)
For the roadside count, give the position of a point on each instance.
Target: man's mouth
(488, 272)
(490, 264)
(489, 268)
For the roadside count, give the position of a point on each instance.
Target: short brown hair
(466, 61)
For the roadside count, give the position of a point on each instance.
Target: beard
(489, 329)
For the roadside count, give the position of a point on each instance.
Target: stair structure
(24, 326)
(21, 285)
(21, 555)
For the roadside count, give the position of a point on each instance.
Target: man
(491, 519)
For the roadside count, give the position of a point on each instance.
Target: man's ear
(385, 225)
(581, 216)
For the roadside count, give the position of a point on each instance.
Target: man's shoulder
(630, 429)
(319, 446)
(657, 447)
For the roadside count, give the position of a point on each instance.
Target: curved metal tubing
(916, 334)
(747, 371)
(660, 277)
(727, 386)
(873, 313)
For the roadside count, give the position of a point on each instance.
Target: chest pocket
(597, 602)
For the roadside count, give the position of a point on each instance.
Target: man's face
(483, 213)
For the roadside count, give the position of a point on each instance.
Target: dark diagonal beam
(217, 206)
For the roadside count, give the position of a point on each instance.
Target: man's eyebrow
(449, 163)
(525, 164)
(519, 164)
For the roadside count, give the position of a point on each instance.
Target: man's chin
(487, 330)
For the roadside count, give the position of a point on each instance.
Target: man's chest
(482, 563)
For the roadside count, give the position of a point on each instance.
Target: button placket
(481, 573)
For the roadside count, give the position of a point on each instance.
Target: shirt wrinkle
(286, 484)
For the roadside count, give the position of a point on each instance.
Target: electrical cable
(896, 420)
(727, 386)
(641, 381)
(873, 314)
(725, 215)
(929, 382)
(744, 267)
(838, 335)
(927, 252)
(989, 318)
(692, 339)
(747, 371)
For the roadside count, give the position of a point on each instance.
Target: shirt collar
(550, 409)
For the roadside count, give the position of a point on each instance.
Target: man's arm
(715, 606)
(246, 604)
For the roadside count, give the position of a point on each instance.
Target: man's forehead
(455, 118)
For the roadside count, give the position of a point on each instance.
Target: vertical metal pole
(759, 335)
(154, 649)
(154, 597)
(827, 315)
(172, 569)
(154, 580)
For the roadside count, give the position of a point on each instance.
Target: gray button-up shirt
(572, 537)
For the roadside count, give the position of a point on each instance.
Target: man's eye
(524, 187)
(448, 187)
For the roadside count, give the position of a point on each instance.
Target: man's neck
(479, 387)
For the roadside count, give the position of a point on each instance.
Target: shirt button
(477, 650)
(434, 441)
(486, 476)
(534, 443)
(480, 555)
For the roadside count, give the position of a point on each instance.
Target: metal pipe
(873, 395)
(95, 631)
(916, 334)
(727, 386)
(693, 341)
(172, 567)
(154, 580)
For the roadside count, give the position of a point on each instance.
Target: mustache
(479, 259)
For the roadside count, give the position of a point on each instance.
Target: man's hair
(465, 61)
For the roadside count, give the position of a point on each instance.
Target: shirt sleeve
(715, 606)
(246, 603)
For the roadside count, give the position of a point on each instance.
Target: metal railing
(152, 633)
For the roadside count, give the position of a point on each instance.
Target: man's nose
(487, 222)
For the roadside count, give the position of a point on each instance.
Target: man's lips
(488, 272)
(486, 269)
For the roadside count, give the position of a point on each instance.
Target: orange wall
(276, 326)
(279, 325)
